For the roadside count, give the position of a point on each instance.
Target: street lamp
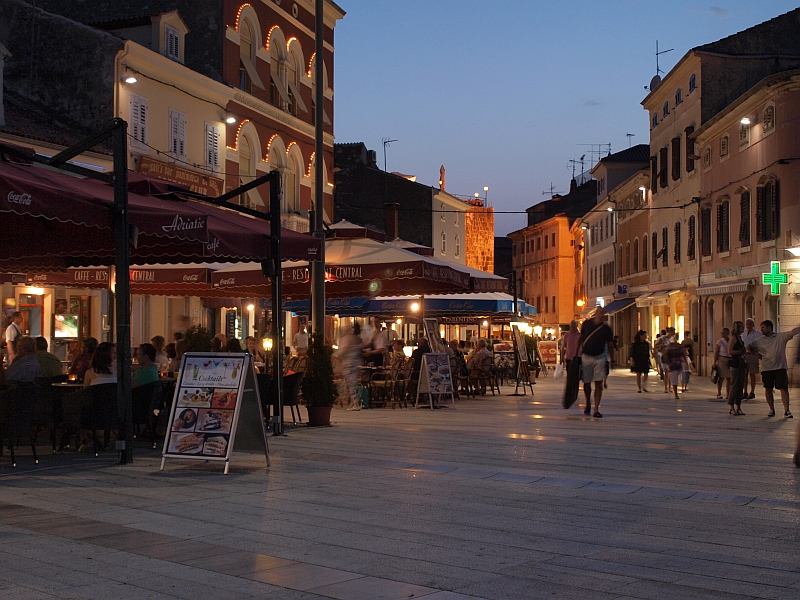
(486, 194)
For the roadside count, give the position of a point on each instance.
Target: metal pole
(318, 266)
(277, 300)
(122, 293)
(514, 291)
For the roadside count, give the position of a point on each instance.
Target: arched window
(291, 192)
(245, 56)
(444, 243)
(723, 227)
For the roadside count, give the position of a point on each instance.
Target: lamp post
(486, 195)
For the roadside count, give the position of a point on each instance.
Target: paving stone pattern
(503, 497)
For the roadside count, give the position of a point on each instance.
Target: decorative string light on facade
(239, 14)
(289, 42)
(238, 131)
(269, 37)
(269, 147)
(311, 64)
(311, 163)
(289, 147)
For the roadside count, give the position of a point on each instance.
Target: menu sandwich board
(523, 372)
(435, 378)
(432, 333)
(212, 392)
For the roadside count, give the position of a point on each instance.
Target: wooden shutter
(759, 214)
(676, 158)
(212, 147)
(662, 174)
(665, 246)
(719, 228)
(677, 250)
(655, 250)
(139, 119)
(690, 246)
(705, 231)
(177, 134)
(654, 173)
(689, 149)
(744, 219)
(775, 211)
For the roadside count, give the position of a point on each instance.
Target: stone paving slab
(505, 497)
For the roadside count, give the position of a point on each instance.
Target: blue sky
(504, 93)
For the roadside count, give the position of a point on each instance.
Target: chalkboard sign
(212, 392)
(435, 378)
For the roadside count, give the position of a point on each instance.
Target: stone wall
(479, 238)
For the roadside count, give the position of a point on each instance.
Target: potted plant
(198, 339)
(319, 391)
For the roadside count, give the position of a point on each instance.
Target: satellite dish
(654, 82)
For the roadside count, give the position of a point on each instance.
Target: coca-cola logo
(181, 224)
(38, 278)
(15, 198)
(405, 272)
(190, 278)
(228, 281)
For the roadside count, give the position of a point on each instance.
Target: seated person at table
(397, 351)
(25, 367)
(102, 369)
(147, 371)
(175, 363)
(51, 366)
(479, 355)
(161, 356)
(83, 360)
(422, 349)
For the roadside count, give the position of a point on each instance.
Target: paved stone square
(503, 497)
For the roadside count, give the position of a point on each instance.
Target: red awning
(52, 220)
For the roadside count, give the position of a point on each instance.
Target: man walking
(750, 335)
(771, 349)
(596, 336)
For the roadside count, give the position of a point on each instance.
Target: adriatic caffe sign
(196, 182)
(97, 277)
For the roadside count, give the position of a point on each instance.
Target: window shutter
(177, 134)
(690, 247)
(677, 250)
(665, 246)
(689, 149)
(655, 250)
(644, 254)
(212, 147)
(719, 228)
(676, 158)
(759, 214)
(139, 119)
(744, 223)
(663, 156)
(775, 212)
(705, 231)
(654, 173)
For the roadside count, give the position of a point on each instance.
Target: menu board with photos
(206, 406)
(433, 335)
(435, 378)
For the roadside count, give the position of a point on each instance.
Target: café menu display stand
(435, 379)
(206, 386)
(523, 372)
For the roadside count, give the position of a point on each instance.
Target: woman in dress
(640, 354)
(350, 353)
(738, 368)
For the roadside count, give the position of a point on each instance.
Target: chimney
(391, 223)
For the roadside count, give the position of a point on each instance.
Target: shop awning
(620, 304)
(359, 267)
(724, 288)
(50, 220)
(333, 306)
(655, 299)
(481, 304)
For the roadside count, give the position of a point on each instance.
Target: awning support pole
(277, 300)
(318, 266)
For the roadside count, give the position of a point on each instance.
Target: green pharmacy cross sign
(775, 278)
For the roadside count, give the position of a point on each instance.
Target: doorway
(32, 308)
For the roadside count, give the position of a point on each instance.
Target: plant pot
(319, 416)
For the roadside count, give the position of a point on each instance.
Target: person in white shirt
(301, 341)
(771, 349)
(750, 335)
(13, 333)
(722, 360)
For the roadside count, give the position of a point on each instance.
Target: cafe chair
(101, 412)
(381, 384)
(291, 394)
(402, 384)
(146, 399)
(489, 375)
(18, 417)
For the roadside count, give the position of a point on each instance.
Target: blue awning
(459, 306)
(333, 306)
(618, 305)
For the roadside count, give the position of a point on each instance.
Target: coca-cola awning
(52, 220)
(353, 267)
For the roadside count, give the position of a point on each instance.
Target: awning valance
(655, 299)
(724, 288)
(618, 305)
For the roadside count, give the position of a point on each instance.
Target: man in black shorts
(771, 349)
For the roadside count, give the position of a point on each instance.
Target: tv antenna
(597, 149)
(575, 162)
(630, 135)
(657, 77)
(552, 191)
(386, 142)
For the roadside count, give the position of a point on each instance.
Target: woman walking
(640, 354)
(738, 368)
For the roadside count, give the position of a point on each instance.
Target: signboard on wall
(196, 182)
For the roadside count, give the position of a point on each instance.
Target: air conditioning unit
(372, 157)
